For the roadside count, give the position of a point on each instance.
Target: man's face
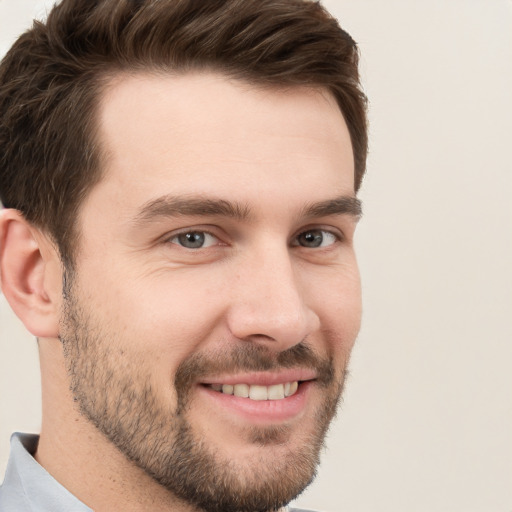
(216, 298)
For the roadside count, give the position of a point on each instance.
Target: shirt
(28, 487)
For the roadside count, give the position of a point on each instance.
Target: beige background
(427, 420)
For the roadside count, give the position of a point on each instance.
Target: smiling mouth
(256, 392)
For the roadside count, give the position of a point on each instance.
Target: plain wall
(426, 423)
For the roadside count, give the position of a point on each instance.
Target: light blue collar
(28, 487)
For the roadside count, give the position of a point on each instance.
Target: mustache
(249, 357)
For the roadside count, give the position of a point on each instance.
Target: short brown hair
(52, 77)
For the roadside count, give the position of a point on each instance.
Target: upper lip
(263, 378)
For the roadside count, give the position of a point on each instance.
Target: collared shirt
(28, 487)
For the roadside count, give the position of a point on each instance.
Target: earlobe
(27, 274)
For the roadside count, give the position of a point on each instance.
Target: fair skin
(276, 168)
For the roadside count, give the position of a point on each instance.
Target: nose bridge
(270, 305)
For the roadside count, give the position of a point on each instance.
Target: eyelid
(209, 240)
(207, 230)
(334, 231)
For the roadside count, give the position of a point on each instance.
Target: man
(179, 181)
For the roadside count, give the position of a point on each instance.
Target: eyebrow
(343, 205)
(177, 206)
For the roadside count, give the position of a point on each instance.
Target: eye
(194, 240)
(315, 238)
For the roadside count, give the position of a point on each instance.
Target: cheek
(339, 307)
(163, 317)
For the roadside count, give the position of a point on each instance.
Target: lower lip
(262, 411)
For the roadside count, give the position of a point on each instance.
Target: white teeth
(254, 392)
(258, 393)
(227, 389)
(241, 390)
(276, 392)
(293, 388)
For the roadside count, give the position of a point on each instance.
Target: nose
(270, 303)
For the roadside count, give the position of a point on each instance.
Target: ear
(30, 274)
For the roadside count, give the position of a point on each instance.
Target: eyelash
(192, 232)
(335, 237)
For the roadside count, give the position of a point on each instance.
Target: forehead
(205, 133)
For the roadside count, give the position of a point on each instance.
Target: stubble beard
(115, 394)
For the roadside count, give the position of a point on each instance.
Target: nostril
(258, 337)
